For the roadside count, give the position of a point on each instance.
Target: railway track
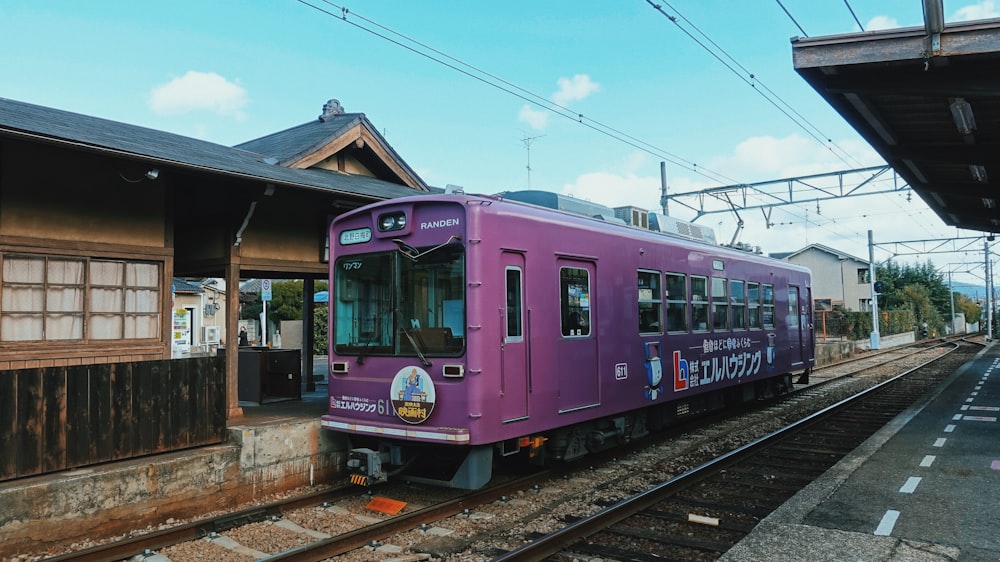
(702, 513)
(478, 515)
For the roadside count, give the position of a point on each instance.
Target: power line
(789, 14)
(511, 88)
(752, 80)
(855, 16)
(435, 55)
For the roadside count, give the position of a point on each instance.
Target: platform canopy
(928, 100)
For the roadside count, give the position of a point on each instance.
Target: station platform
(924, 488)
(272, 448)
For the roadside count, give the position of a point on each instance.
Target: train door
(795, 327)
(809, 329)
(513, 347)
(576, 353)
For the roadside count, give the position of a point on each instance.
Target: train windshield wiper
(364, 346)
(415, 254)
(413, 341)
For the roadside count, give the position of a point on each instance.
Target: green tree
(920, 289)
(970, 308)
(321, 312)
(286, 302)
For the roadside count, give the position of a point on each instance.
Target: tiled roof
(82, 132)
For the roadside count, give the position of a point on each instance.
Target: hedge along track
(703, 512)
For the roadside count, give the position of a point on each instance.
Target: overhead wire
(508, 87)
(752, 80)
(758, 86)
(517, 91)
(794, 21)
(513, 89)
(855, 16)
(789, 14)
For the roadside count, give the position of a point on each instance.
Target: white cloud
(983, 10)
(574, 89)
(199, 91)
(536, 118)
(881, 22)
(768, 157)
(579, 87)
(614, 189)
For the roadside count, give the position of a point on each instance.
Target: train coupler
(365, 467)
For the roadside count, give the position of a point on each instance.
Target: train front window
(432, 302)
(389, 304)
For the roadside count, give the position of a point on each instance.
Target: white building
(841, 278)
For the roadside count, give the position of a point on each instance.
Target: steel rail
(141, 544)
(564, 538)
(358, 538)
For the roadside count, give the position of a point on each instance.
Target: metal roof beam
(777, 193)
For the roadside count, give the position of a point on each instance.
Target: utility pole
(527, 147)
(989, 291)
(871, 277)
(664, 200)
(951, 294)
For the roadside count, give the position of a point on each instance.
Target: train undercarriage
(373, 461)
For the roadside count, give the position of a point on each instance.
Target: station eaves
(927, 99)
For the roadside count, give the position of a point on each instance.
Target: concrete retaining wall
(834, 351)
(885, 342)
(59, 509)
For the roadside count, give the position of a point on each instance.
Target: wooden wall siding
(57, 418)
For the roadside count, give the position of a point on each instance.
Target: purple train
(468, 329)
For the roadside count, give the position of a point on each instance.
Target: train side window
(677, 302)
(515, 329)
(699, 303)
(768, 306)
(737, 296)
(753, 305)
(574, 301)
(720, 304)
(793, 307)
(649, 302)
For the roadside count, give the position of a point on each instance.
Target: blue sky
(228, 72)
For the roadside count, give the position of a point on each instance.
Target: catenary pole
(871, 278)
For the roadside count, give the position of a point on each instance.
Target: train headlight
(392, 221)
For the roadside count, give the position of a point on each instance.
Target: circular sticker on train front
(412, 394)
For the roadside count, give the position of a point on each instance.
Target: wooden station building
(96, 219)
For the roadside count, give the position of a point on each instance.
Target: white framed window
(58, 298)
(650, 299)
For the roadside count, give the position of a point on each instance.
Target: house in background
(199, 312)
(839, 277)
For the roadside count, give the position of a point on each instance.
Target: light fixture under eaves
(961, 112)
(153, 173)
(989, 203)
(978, 173)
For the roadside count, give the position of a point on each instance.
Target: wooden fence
(57, 418)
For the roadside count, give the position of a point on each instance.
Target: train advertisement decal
(654, 371)
(412, 395)
(740, 362)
